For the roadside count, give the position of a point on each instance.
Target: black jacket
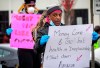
(40, 32)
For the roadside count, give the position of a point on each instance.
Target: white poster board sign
(68, 46)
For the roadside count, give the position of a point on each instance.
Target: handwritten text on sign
(22, 24)
(70, 46)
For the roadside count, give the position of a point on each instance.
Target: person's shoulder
(46, 25)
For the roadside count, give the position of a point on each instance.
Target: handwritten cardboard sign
(21, 37)
(70, 46)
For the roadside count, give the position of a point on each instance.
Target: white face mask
(30, 10)
(51, 23)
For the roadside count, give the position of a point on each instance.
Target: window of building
(77, 16)
(4, 24)
(81, 16)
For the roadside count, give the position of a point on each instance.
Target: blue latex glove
(95, 36)
(44, 39)
(51, 23)
(9, 31)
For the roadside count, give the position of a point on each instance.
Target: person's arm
(40, 32)
(37, 43)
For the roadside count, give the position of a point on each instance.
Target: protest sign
(68, 46)
(22, 25)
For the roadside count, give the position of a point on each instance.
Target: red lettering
(27, 33)
(18, 17)
(31, 17)
(30, 25)
(23, 18)
(27, 25)
(15, 32)
(21, 33)
(27, 19)
(18, 33)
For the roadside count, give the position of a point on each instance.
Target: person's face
(29, 5)
(56, 17)
(29, 8)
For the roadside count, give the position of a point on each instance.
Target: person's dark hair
(50, 10)
(29, 1)
(97, 29)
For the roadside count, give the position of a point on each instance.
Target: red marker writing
(78, 58)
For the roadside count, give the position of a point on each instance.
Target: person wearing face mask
(53, 18)
(29, 7)
(27, 57)
(54, 14)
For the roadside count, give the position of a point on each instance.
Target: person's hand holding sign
(95, 37)
(9, 31)
(44, 39)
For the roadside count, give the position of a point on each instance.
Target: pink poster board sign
(21, 37)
